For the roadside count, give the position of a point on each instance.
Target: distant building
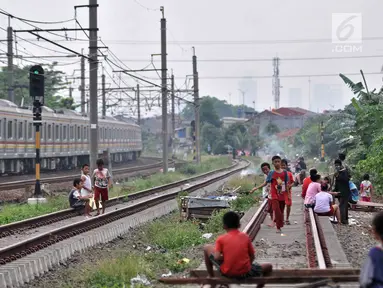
(326, 97)
(285, 118)
(295, 97)
(227, 121)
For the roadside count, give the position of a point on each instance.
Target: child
(287, 194)
(323, 203)
(371, 274)
(307, 181)
(313, 188)
(366, 188)
(278, 180)
(233, 253)
(265, 167)
(102, 184)
(75, 199)
(87, 187)
(354, 195)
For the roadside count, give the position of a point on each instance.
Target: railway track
(318, 268)
(13, 258)
(66, 178)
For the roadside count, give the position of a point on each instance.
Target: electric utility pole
(173, 109)
(93, 85)
(82, 85)
(164, 93)
(11, 95)
(138, 105)
(103, 95)
(196, 108)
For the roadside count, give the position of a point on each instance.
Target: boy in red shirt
(278, 180)
(233, 253)
(287, 194)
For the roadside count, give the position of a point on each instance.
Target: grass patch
(17, 212)
(246, 183)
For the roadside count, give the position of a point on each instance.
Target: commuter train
(64, 139)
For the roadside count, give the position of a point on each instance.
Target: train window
(10, 130)
(20, 130)
(79, 133)
(64, 132)
(71, 132)
(3, 128)
(30, 127)
(49, 131)
(85, 135)
(42, 133)
(57, 132)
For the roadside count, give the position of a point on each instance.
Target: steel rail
(43, 220)
(24, 183)
(33, 244)
(317, 243)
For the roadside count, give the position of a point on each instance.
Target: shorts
(103, 192)
(309, 205)
(288, 201)
(255, 270)
(329, 213)
(366, 199)
(79, 204)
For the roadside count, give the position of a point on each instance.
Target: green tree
(54, 83)
(271, 129)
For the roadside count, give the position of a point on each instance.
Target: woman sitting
(323, 203)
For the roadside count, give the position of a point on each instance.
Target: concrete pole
(93, 85)
(82, 85)
(196, 108)
(103, 96)
(138, 105)
(164, 94)
(11, 95)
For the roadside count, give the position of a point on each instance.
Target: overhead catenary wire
(2, 11)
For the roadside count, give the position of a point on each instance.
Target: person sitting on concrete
(323, 204)
(234, 253)
(77, 201)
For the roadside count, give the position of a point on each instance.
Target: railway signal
(36, 91)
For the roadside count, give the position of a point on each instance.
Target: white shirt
(87, 184)
(367, 188)
(266, 189)
(322, 202)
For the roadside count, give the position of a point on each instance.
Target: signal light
(36, 83)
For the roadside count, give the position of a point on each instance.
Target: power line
(261, 59)
(2, 11)
(284, 76)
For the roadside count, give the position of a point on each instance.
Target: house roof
(287, 133)
(292, 111)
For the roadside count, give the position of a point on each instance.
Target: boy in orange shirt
(233, 253)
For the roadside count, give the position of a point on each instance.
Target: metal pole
(70, 92)
(164, 94)
(82, 85)
(173, 110)
(93, 67)
(138, 105)
(196, 108)
(11, 95)
(322, 141)
(103, 96)
(37, 164)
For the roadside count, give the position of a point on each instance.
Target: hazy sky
(224, 30)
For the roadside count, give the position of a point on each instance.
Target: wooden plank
(369, 204)
(294, 272)
(259, 280)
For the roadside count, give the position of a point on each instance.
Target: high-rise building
(295, 98)
(326, 97)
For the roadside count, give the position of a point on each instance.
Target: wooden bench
(283, 276)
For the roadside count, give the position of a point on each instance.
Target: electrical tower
(276, 83)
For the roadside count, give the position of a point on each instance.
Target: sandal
(287, 222)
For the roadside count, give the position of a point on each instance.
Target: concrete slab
(337, 255)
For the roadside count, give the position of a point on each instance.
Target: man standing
(102, 183)
(343, 187)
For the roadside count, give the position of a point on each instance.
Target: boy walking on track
(287, 194)
(234, 253)
(102, 183)
(265, 167)
(279, 182)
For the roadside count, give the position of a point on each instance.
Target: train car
(64, 139)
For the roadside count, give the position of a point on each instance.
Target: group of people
(234, 254)
(82, 192)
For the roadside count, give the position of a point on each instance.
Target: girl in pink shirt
(312, 190)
